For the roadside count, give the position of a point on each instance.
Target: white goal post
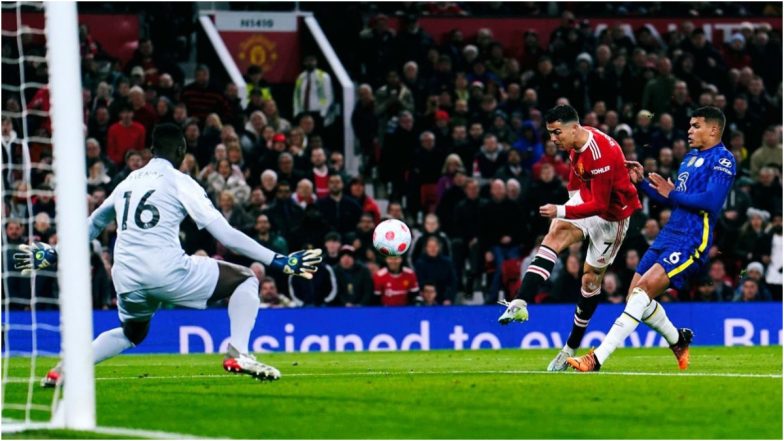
(73, 275)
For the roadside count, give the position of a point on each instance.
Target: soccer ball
(392, 238)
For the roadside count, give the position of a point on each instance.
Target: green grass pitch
(726, 393)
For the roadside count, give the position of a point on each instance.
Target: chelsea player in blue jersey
(680, 251)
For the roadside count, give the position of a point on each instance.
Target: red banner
(118, 35)
(270, 40)
(510, 31)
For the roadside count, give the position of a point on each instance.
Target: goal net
(46, 315)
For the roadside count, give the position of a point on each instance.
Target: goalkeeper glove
(300, 263)
(37, 256)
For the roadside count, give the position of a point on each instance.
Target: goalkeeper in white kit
(150, 266)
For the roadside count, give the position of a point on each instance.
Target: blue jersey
(705, 177)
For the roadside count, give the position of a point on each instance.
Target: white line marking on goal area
(14, 426)
(465, 372)
(151, 434)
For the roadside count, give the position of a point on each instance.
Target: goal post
(73, 275)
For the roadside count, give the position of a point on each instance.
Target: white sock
(624, 325)
(568, 350)
(109, 344)
(243, 309)
(655, 317)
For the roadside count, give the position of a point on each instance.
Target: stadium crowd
(452, 142)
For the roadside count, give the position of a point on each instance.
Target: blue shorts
(680, 261)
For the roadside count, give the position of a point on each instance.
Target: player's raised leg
(656, 318)
(561, 235)
(107, 345)
(590, 290)
(241, 286)
(640, 300)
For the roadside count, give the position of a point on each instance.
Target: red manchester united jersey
(395, 288)
(598, 171)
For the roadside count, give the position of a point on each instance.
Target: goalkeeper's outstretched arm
(301, 263)
(100, 218)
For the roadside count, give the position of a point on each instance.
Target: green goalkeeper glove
(300, 263)
(36, 256)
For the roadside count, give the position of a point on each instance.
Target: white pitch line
(15, 426)
(455, 372)
(151, 434)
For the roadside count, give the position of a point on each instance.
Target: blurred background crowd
(451, 138)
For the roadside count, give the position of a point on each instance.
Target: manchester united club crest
(259, 50)
(580, 169)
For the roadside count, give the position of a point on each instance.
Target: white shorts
(191, 291)
(604, 237)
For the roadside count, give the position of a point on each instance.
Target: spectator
(395, 285)
(256, 204)
(286, 170)
(465, 242)
(397, 156)
(749, 291)
(233, 212)
(355, 284)
(545, 190)
(337, 163)
(124, 135)
(436, 267)
(332, 246)
(489, 160)
(393, 97)
(228, 177)
(431, 228)
(365, 125)
(143, 113)
(266, 237)
(449, 200)
(362, 238)
(42, 228)
(319, 173)
(94, 154)
(766, 192)
(666, 134)
(341, 212)
(428, 295)
(770, 153)
(313, 92)
(322, 290)
(252, 138)
(657, 93)
(554, 159)
(201, 98)
(721, 285)
(428, 162)
(567, 284)
(304, 196)
(97, 176)
(270, 297)
(452, 165)
(254, 81)
(500, 234)
(366, 203)
(705, 291)
(270, 159)
(98, 125)
(529, 145)
(612, 288)
(283, 212)
(269, 184)
(754, 271)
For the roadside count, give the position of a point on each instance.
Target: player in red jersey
(395, 284)
(601, 200)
